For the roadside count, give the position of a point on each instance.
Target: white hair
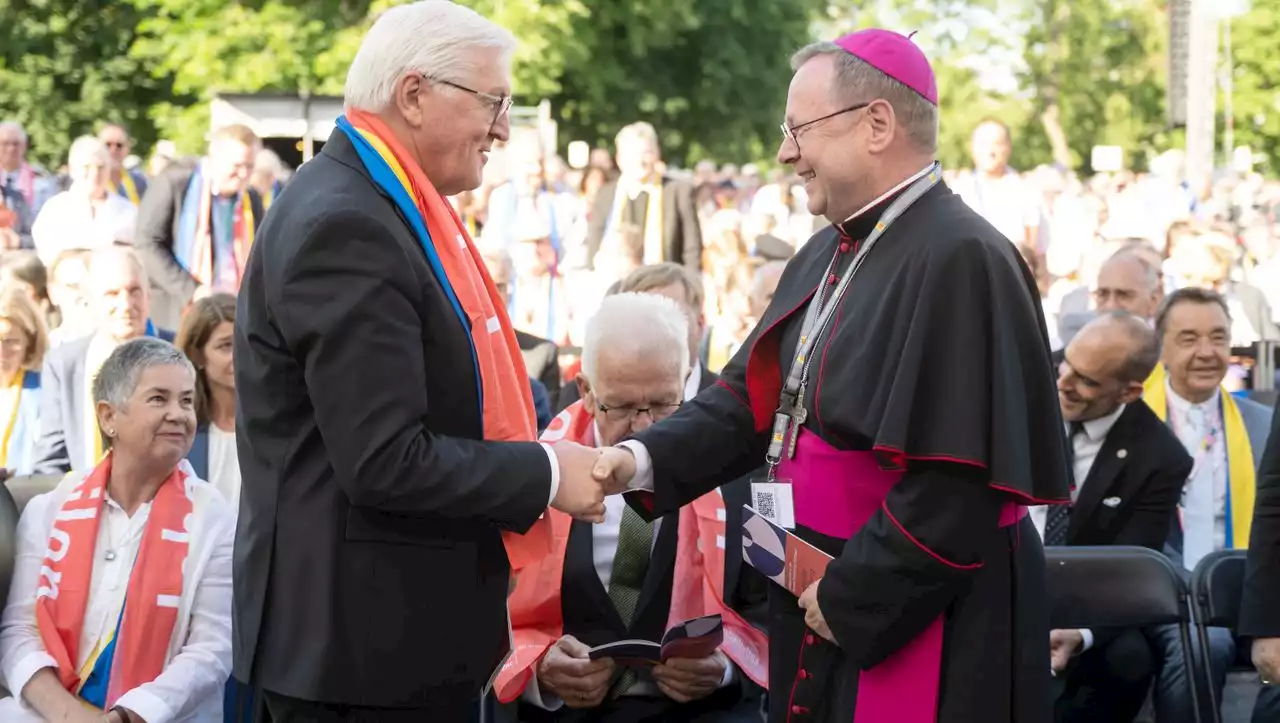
(638, 131)
(858, 81)
(436, 38)
(88, 148)
(15, 126)
(644, 327)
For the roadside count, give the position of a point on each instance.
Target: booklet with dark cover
(695, 638)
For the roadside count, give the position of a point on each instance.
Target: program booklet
(695, 638)
(779, 555)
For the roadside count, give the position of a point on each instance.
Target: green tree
(65, 67)
(1256, 73)
(1097, 72)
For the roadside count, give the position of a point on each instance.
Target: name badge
(773, 501)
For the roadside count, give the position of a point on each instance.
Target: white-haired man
(386, 428)
(617, 579)
(912, 411)
(643, 217)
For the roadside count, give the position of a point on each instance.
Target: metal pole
(1202, 91)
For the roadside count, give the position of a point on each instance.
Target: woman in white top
(87, 215)
(120, 605)
(205, 337)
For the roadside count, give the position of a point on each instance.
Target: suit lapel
(1105, 472)
(581, 578)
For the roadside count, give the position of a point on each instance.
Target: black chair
(8, 541)
(1217, 586)
(1123, 587)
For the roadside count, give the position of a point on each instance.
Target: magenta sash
(835, 493)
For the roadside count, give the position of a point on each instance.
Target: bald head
(764, 284)
(1105, 365)
(1128, 282)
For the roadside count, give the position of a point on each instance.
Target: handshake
(587, 475)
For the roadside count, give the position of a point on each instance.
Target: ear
(584, 392)
(106, 416)
(883, 125)
(408, 89)
(1132, 392)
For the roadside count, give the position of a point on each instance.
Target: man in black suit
(643, 215)
(1129, 470)
(1260, 608)
(682, 286)
(117, 291)
(617, 578)
(370, 570)
(167, 225)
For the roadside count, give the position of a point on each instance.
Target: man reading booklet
(627, 580)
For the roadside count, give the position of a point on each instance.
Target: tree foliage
(1255, 66)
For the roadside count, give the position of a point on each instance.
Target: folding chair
(1217, 585)
(1123, 587)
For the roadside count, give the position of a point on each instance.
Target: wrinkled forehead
(811, 87)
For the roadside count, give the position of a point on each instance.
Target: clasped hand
(587, 475)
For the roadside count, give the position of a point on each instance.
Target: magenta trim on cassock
(835, 493)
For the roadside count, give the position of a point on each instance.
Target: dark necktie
(1058, 517)
(630, 565)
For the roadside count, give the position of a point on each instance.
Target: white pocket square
(1111, 502)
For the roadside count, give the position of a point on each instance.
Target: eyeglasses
(792, 133)
(656, 412)
(501, 104)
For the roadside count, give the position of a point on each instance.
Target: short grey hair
(645, 327)
(104, 254)
(117, 380)
(1150, 275)
(859, 81)
(15, 126)
(436, 38)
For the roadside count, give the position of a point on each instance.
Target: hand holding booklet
(780, 555)
(695, 638)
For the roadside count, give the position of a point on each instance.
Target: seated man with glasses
(615, 581)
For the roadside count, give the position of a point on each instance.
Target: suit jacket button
(1122, 453)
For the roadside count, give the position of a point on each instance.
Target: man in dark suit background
(117, 290)
(682, 286)
(643, 214)
(1129, 471)
(370, 570)
(166, 223)
(1260, 608)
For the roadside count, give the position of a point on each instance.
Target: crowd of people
(629, 287)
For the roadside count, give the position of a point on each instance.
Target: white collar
(1184, 405)
(910, 180)
(1096, 429)
(694, 381)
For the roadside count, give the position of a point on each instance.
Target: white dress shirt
(68, 221)
(224, 465)
(1204, 498)
(1085, 447)
(198, 663)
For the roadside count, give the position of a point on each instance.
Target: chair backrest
(1217, 585)
(1114, 586)
(27, 486)
(8, 541)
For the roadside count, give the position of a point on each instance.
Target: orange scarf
(507, 410)
(697, 587)
(155, 582)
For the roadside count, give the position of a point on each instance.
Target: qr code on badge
(766, 505)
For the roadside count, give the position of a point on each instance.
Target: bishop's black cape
(937, 360)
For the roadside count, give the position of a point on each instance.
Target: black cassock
(939, 363)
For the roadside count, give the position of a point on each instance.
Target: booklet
(780, 555)
(695, 638)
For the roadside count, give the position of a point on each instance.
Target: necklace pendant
(109, 556)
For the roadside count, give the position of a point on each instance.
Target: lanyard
(791, 412)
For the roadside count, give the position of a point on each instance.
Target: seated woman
(23, 341)
(120, 605)
(205, 337)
